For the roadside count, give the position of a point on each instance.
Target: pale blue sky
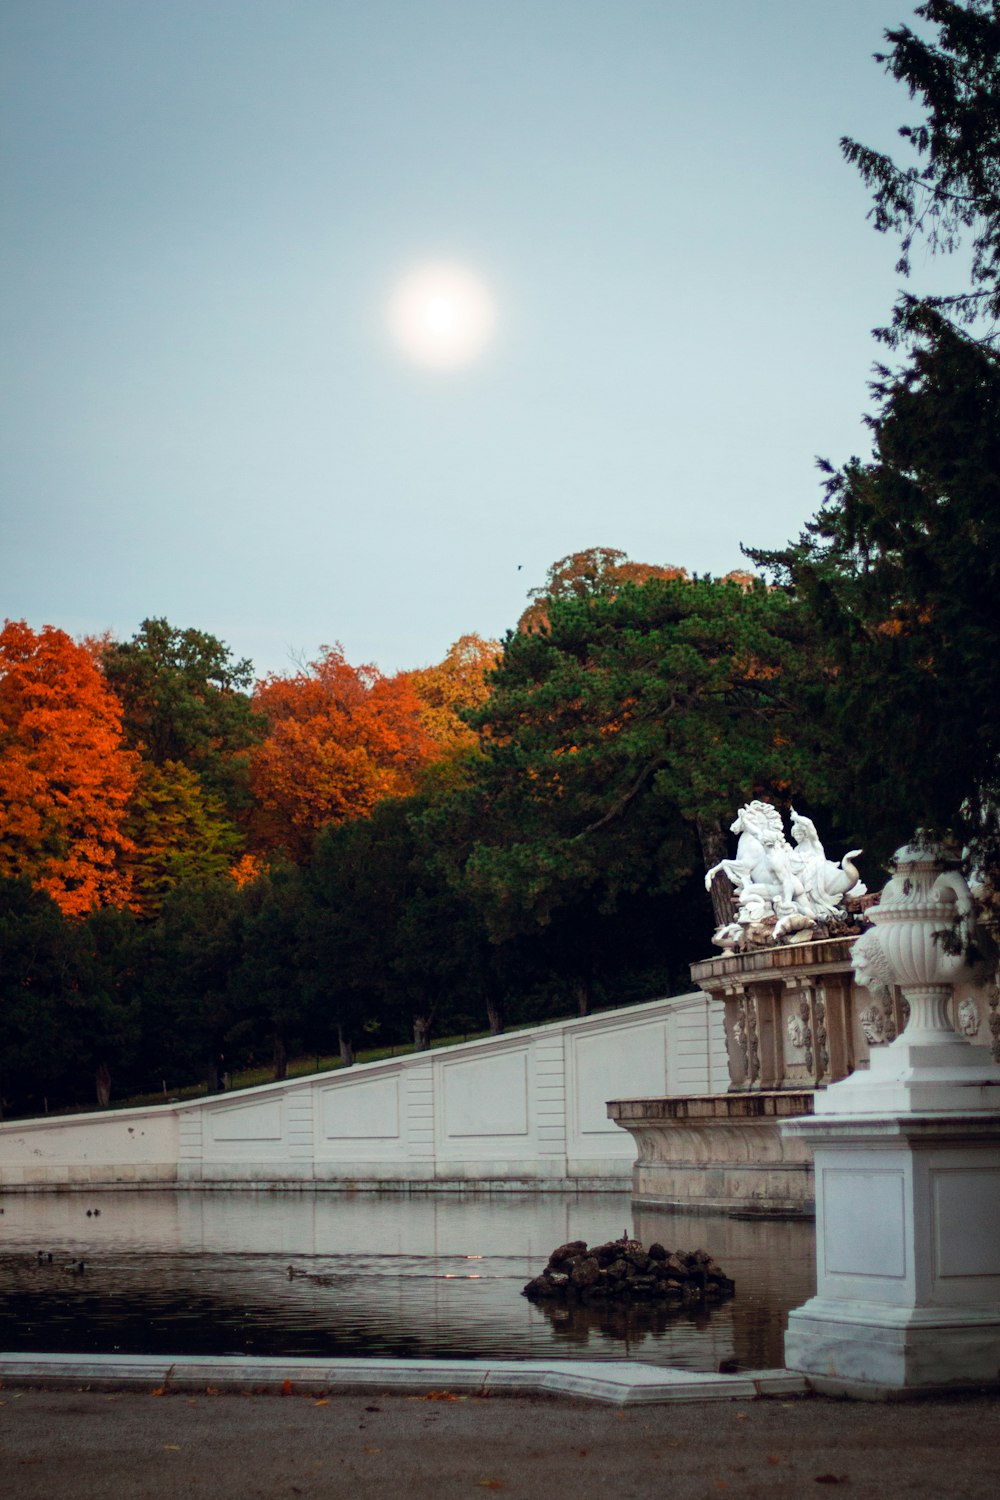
(206, 204)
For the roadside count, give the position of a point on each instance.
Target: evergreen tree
(901, 568)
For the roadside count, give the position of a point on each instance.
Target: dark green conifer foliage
(616, 736)
(901, 568)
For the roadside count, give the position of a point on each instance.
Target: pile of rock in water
(624, 1269)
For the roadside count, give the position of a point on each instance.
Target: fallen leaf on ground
(158, 1391)
(373, 1450)
(490, 1484)
(773, 1458)
(831, 1478)
(442, 1396)
(171, 1447)
(322, 1402)
(211, 1390)
(286, 1387)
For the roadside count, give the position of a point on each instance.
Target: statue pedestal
(907, 1250)
(907, 1164)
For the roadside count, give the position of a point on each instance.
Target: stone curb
(618, 1383)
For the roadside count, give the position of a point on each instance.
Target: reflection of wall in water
(312, 1223)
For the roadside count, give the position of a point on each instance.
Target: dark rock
(585, 1273)
(568, 1252)
(622, 1272)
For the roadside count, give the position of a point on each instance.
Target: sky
(207, 206)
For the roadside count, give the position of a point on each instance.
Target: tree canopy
(339, 739)
(900, 567)
(635, 715)
(65, 774)
(184, 699)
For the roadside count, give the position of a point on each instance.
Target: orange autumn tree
(453, 685)
(340, 738)
(65, 775)
(594, 572)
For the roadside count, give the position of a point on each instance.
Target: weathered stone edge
(618, 1383)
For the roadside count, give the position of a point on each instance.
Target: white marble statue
(795, 884)
(824, 883)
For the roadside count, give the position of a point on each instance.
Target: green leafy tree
(180, 832)
(185, 701)
(388, 946)
(616, 740)
(190, 1022)
(901, 568)
(266, 987)
(67, 1006)
(37, 975)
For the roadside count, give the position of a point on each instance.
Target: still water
(367, 1274)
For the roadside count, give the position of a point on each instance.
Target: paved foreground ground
(93, 1445)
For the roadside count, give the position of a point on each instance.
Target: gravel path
(93, 1445)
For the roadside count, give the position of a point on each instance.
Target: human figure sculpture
(824, 883)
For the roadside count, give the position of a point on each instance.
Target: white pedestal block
(907, 1251)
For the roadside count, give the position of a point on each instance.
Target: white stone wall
(527, 1109)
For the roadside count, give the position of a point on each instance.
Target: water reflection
(348, 1275)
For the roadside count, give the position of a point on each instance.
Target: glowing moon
(441, 315)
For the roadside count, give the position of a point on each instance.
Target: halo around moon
(441, 315)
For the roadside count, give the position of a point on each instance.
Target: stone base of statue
(708, 1153)
(907, 1253)
(907, 1174)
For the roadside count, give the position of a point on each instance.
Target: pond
(366, 1274)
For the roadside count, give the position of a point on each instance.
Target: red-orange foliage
(65, 776)
(340, 739)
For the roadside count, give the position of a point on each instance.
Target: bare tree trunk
(280, 1058)
(102, 1081)
(495, 1015)
(582, 990)
(714, 848)
(346, 1048)
(422, 1032)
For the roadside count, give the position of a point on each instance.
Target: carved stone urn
(924, 922)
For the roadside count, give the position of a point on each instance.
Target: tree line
(199, 871)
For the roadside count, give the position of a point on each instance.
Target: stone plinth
(792, 1014)
(795, 1017)
(720, 1151)
(908, 1254)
